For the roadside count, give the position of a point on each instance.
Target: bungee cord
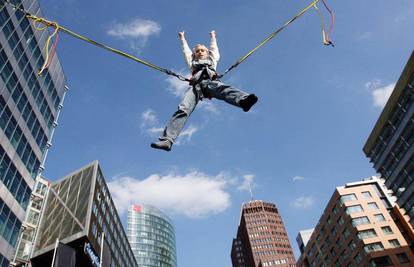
(326, 39)
(58, 28)
(50, 52)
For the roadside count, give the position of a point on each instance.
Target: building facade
(29, 108)
(361, 226)
(79, 212)
(390, 146)
(261, 238)
(152, 236)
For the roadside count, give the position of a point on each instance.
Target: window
(381, 261)
(360, 221)
(387, 230)
(377, 246)
(345, 233)
(358, 258)
(402, 257)
(353, 209)
(352, 245)
(366, 194)
(379, 217)
(367, 234)
(372, 206)
(394, 243)
(349, 197)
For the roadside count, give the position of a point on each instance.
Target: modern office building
(79, 212)
(390, 146)
(261, 238)
(152, 236)
(361, 226)
(29, 108)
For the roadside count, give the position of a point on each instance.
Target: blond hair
(198, 45)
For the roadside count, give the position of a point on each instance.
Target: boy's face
(200, 52)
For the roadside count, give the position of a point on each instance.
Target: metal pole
(54, 252)
(102, 244)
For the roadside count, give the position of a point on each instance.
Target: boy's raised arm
(186, 49)
(213, 46)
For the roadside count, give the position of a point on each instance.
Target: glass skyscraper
(29, 108)
(390, 146)
(152, 237)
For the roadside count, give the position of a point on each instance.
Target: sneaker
(162, 144)
(248, 102)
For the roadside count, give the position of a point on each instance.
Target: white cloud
(149, 118)
(363, 36)
(136, 31)
(185, 136)
(208, 105)
(194, 194)
(380, 94)
(247, 183)
(176, 86)
(298, 178)
(303, 202)
(150, 124)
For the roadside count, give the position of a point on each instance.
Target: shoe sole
(160, 148)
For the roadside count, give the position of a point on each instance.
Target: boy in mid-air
(202, 63)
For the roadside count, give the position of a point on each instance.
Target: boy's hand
(213, 33)
(181, 35)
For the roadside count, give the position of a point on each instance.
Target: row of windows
(369, 233)
(134, 228)
(13, 132)
(358, 208)
(13, 180)
(26, 68)
(404, 178)
(365, 220)
(9, 224)
(404, 142)
(23, 104)
(397, 114)
(159, 222)
(275, 262)
(166, 258)
(162, 250)
(268, 246)
(272, 252)
(409, 207)
(352, 196)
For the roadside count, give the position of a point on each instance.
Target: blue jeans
(205, 88)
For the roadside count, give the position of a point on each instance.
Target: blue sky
(317, 106)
